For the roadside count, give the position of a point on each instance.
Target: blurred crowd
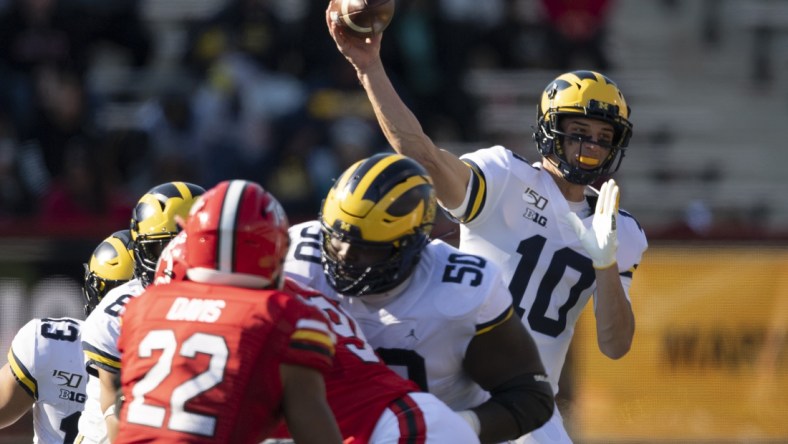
(249, 89)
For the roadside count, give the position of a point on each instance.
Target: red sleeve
(311, 342)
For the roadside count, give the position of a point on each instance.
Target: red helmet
(172, 261)
(237, 235)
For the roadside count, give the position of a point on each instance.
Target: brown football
(363, 18)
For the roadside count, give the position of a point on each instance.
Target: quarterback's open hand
(601, 240)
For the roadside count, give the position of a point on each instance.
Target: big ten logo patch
(66, 381)
(531, 197)
(534, 216)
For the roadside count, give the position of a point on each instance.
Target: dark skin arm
(493, 358)
(306, 411)
(14, 400)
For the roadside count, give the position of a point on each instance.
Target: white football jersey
(46, 359)
(99, 341)
(515, 218)
(422, 328)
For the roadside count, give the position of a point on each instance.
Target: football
(363, 18)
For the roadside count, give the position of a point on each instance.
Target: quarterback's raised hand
(360, 52)
(600, 241)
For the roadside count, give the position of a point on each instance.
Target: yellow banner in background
(710, 355)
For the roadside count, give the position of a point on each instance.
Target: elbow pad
(528, 398)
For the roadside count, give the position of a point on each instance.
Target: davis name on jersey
(421, 329)
(46, 359)
(515, 217)
(213, 377)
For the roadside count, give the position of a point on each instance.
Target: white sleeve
(102, 327)
(457, 213)
(22, 357)
(24, 344)
(489, 174)
(497, 302)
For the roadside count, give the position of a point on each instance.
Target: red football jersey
(360, 386)
(200, 363)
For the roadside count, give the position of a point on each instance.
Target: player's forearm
(615, 322)
(112, 427)
(400, 126)
(14, 401)
(10, 415)
(405, 134)
(306, 411)
(107, 399)
(515, 408)
(107, 389)
(496, 424)
(11, 410)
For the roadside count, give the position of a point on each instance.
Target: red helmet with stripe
(237, 235)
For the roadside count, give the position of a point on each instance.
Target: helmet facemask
(111, 264)
(95, 288)
(147, 250)
(351, 279)
(552, 144)
(383, 207)
(583, 94)
(154, 223)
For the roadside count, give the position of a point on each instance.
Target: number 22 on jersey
(180, 420)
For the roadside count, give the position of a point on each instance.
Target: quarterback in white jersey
(441, 317)
(45, 370)
(550, 275)
(553, 253)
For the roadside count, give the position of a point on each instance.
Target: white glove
(601, 240)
